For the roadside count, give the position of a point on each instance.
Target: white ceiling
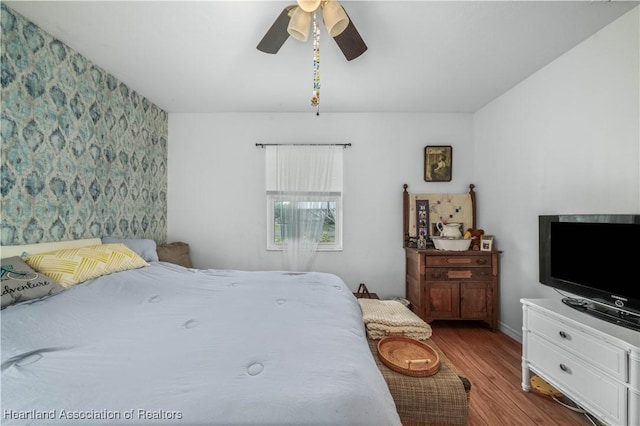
(423, 56)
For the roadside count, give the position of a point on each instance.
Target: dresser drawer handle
(436, 275)
(481, 261)
(563, 334)
(459, 275)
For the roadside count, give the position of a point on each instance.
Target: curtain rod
(344, 145)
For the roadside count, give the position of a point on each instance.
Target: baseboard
(515, 335)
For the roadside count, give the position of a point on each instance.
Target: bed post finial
(405, 216)
(472, 194)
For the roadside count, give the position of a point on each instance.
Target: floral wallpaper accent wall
(83, 155)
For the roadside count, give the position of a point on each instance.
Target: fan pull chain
(315, 100)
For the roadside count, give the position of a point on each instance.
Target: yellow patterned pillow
(76, 265)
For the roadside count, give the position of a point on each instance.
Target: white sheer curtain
(304, 179)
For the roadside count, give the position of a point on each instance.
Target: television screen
(592, 256)
(598, 255)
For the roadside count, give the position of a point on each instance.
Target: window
(300, 218)
(304, 197)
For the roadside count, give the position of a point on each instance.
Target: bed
(165, 344)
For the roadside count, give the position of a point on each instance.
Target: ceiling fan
(295, 21)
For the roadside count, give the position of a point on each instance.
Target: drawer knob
(481, 261)
(564, 367)
(563, 334)
(436, 275)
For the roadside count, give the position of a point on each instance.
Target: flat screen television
(595, 257)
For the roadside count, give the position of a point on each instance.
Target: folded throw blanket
(389, 317)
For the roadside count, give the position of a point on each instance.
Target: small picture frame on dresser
(486, 242)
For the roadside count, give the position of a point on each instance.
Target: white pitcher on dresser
(449, 230)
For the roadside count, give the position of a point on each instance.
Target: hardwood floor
(492, 362)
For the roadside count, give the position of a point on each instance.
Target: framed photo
(422, 218)
(486, 242)
(437, 163)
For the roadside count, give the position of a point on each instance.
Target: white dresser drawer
(598, 393)
(597, 352)
(593, 362)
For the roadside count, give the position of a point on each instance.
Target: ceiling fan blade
(350, 42)
(277, 34)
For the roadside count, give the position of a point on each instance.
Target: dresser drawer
(462, 261)
(600, 353)
(597, 392)
(458, 274)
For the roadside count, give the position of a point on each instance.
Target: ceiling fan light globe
(299, 25)
(309, 5)
(334, 17)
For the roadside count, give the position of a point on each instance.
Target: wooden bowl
(408, 356)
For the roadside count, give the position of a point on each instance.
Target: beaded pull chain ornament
(315, 100)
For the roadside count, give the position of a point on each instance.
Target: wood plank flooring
(492, 362)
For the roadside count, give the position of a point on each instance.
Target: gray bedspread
(169, 345)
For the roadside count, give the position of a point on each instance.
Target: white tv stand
(594, 363)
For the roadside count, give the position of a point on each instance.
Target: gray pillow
(20, 282)
(145, 248)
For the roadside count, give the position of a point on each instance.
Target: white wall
(216, 199)
(566, 140)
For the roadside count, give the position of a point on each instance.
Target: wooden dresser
(453, 285)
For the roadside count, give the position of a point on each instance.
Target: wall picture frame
(437, 163)
(486, 242)
(422, 219)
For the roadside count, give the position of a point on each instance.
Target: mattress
(170, 345)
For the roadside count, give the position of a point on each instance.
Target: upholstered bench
(437, 400)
